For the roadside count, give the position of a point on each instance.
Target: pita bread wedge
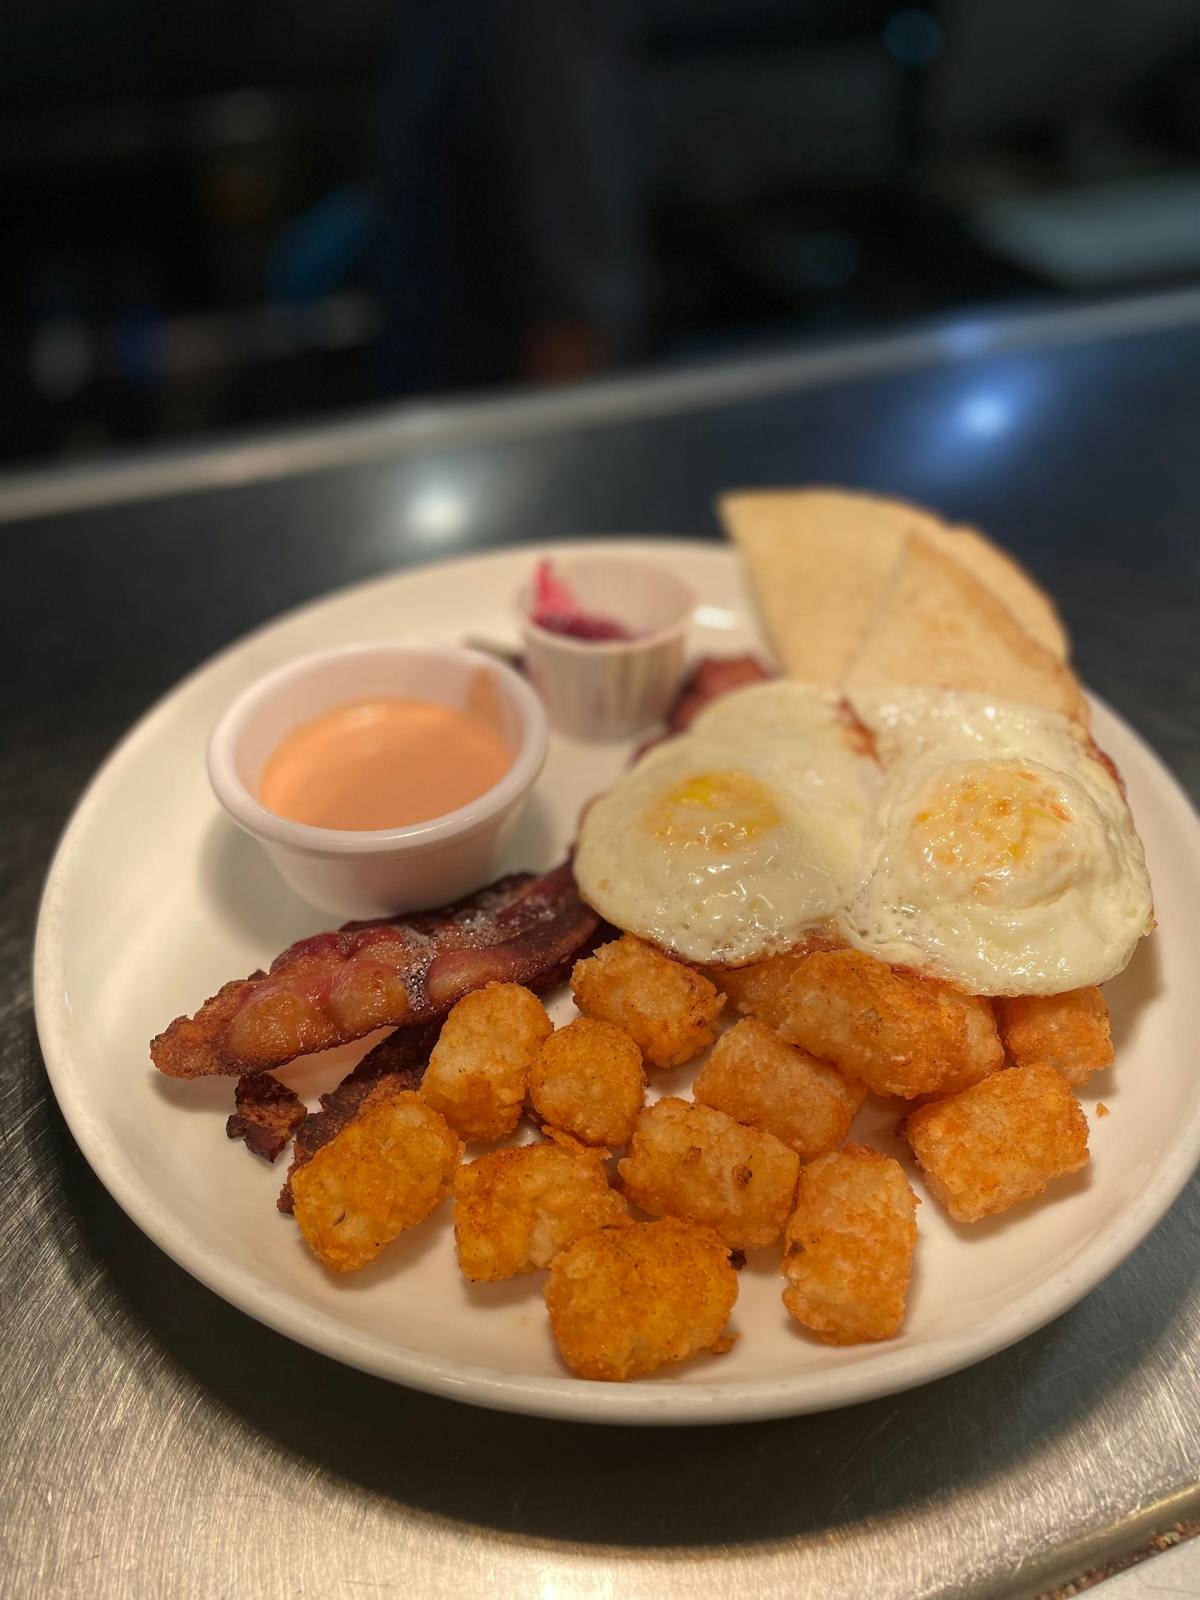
(818, 561)
(1008, 581)
(938, 626)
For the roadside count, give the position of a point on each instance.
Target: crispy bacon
(340, 986)
(398, 1063)
(268, 1114)
(709, 679)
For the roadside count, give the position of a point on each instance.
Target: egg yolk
(713, 811)
(991, 827)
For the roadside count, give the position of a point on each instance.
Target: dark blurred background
(223, 215)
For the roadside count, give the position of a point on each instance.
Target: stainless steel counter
(157, 1442)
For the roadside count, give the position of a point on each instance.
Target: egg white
(734, 840)
(1002, 855)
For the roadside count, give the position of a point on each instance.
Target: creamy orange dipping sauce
(382, 764)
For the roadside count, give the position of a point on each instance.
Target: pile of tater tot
(642, 1251)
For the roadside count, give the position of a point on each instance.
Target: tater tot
(757, 990)
(384, 1172)
(898, 1033)
(479, 1070)
(1000, 1142)
(668, 1008)
(753, 1077)
(514, 1210)
(627, 1300)
(692, 1162)
(849, 1245)
(1069, 1032)
(587, 1079)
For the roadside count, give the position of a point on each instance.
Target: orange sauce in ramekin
(383, 763)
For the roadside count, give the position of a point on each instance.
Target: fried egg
(1002, 856)
(734, 840)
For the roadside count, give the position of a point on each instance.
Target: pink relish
(556, 608)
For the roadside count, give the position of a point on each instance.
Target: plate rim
(883, 1371)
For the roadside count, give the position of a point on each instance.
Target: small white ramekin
(616, 688)
(355, 874)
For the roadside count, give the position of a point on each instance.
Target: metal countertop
(158, 1442)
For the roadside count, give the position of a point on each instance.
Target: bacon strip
(398, 1063)
(268, 1114)
(340, 986)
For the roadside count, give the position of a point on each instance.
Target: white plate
(154, 899)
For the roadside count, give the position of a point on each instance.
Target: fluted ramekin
(610, 689)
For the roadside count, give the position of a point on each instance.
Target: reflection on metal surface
(1168, 1567)
(437, 513)
(560, 1582)
(424, 426)
(1123, 1549)
(985, 418)
(984, 415)
(966, 336)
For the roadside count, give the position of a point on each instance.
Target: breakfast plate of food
(640, 980)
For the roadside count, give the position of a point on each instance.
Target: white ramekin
(360, 874)
(610, 689)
